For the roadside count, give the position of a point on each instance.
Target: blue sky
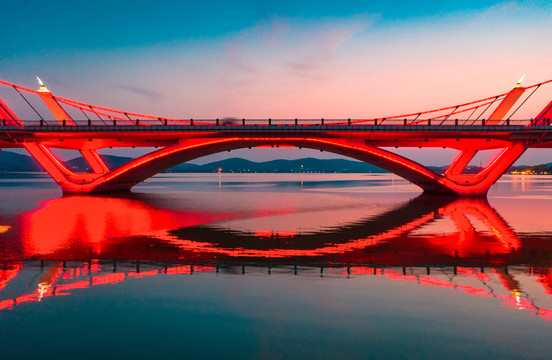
(281, 58)
(39, 27)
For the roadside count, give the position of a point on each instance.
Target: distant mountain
(112, 162)
(14, 162)
(469, 169)
(10, 162)
(285, 166)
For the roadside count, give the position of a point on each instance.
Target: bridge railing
(276, 122)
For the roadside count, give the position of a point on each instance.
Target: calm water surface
(275, 266)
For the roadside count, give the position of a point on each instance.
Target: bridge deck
(278, 128)
(380, 135)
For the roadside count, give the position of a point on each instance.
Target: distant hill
(469, 169)
(285, 166)
(14, 162)
(11, 162)
(112, 162)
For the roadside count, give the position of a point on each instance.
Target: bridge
(483, 124)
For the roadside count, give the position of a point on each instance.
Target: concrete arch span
(125, 177)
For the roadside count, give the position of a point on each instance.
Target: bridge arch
(126, 176)
(149, 165)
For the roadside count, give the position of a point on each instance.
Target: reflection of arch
(386, 238)
(453, 182)
(403, 219)
(131, 228)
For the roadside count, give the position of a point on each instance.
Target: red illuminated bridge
(55, 122)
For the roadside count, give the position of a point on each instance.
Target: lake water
(275, 266)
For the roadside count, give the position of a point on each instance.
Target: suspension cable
(456, 108)
(473, 112)
(90, 106)
(487, 108)
(461, 111)
(86, 116)
(28, 103)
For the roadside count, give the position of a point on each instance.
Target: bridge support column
(70, 182)
(95, 161)
(460, 163)
(479, 184)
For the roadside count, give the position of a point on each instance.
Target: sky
(281, 59)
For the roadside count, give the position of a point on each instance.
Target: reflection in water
(425, 230)
(507, 284)
(459, 244)
(388, 238)
(68, 224)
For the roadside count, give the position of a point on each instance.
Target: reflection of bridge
(516, 288)
(109, 240)
(387, 239)
(486, 124)
(412, 234)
